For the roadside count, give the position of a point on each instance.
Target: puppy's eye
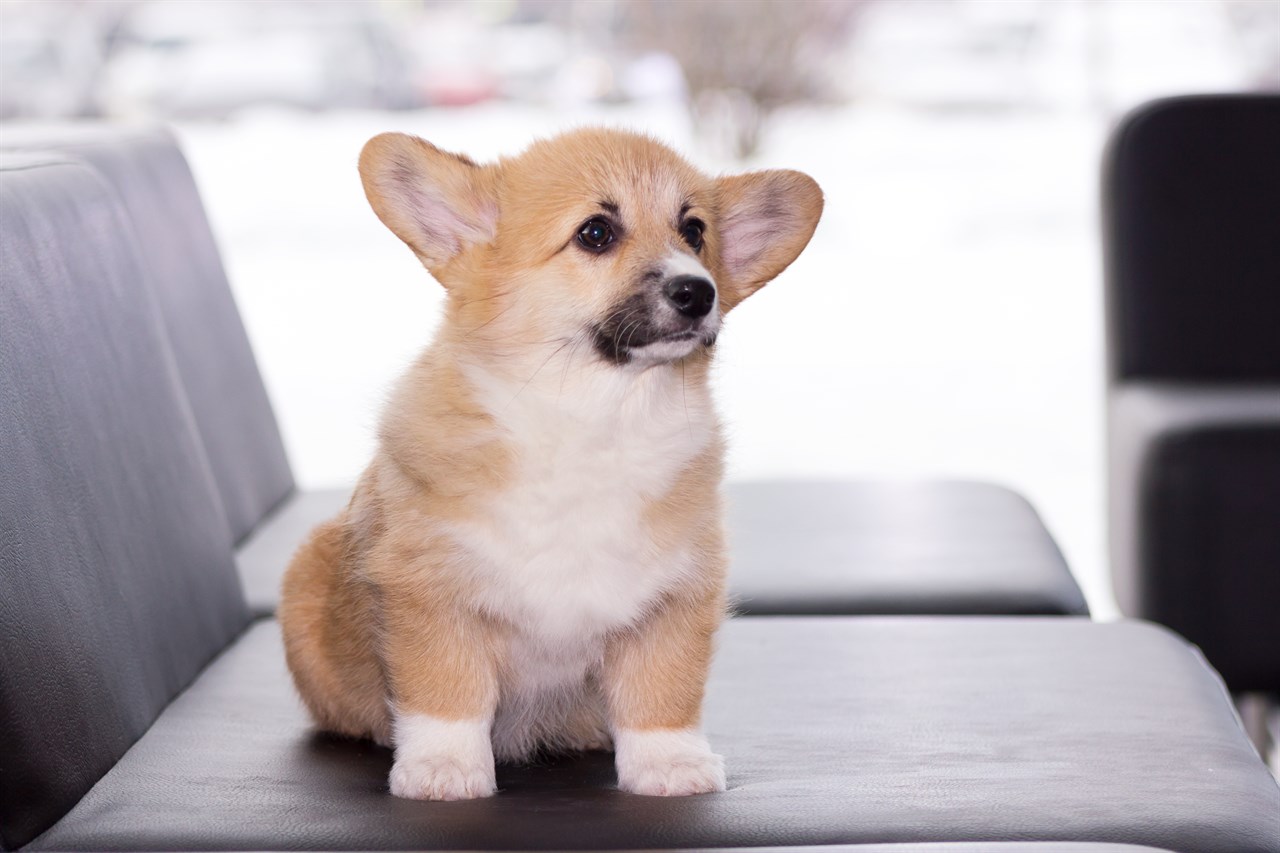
(691, 232)
(595, 234)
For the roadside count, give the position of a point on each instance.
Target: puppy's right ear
(438, 203)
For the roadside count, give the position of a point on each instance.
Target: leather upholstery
(1195, 493)
(1192, 234)
(232, 413)
(930, 547)
(809, 547)
(834, 731)
(956, 847)
(1140, 417)
(1214, 495)
(1192, 240)
(116, 575)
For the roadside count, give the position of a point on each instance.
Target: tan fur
(654, 676)
(380, 605)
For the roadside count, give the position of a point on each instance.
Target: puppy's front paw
(442, 759)
(667, 763)
(442, 778)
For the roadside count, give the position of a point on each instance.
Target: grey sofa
(144, 704)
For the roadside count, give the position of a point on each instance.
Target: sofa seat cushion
(921, 547)
(834, 731)
(806, 547)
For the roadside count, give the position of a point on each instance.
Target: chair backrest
(117, 580)
(215, 361)
(1191, 204)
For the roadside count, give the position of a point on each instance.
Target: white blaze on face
(682, 263)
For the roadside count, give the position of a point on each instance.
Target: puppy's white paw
(667, 763)
(442, 759)
(441, 778)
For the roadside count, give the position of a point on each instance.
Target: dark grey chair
(1192, 244)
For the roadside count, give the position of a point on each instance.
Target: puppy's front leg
(654, 678)
(443, 692)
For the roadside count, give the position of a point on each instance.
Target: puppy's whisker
(628, 330)
(635, 327)
(497, 294)
(684, 397)
(535, 373)
(492, 319)
(579, 340)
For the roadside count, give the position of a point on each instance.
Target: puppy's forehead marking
(682, 263)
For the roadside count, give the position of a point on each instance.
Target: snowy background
(946, 320)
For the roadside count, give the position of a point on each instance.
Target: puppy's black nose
(691, 295)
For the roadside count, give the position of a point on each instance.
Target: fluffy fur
(534, 560)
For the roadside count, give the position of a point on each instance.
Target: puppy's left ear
(766, 220)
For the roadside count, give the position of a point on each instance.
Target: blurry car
(210, 59)
(47, 71)
(977, 53)
(461, 57)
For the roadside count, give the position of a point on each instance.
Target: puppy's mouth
(632, 334)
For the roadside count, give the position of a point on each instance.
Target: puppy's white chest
(564, 549)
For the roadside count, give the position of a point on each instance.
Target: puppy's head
(597, 236)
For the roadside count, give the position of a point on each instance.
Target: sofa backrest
(210, 346)
(117, 580)
(1191, 205)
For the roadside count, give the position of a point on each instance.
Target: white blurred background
(946, 320)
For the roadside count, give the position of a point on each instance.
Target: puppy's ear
(766, 220)
(439, 203)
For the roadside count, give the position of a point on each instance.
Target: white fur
(667, 762)
(661, 352)
(683, 263)
(562, 551)
(440, 759)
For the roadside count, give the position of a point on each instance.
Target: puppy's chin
(667, 350)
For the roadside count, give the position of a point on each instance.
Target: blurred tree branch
(744, 59)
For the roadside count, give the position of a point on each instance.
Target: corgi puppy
(534, 560)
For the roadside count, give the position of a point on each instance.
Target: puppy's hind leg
(327, 623)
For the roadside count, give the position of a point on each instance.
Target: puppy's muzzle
(691, 295)
(661, 321)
